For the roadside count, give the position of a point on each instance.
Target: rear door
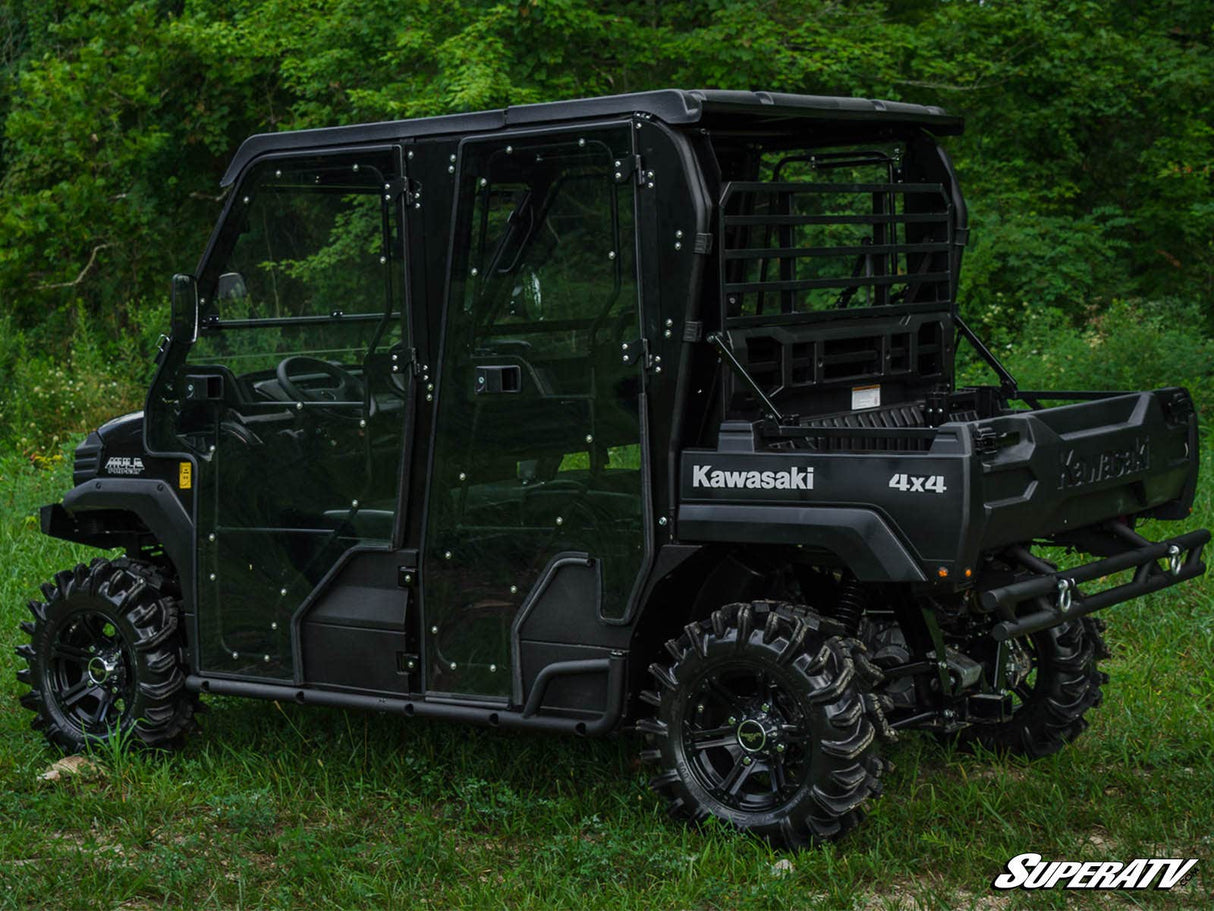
(538, 443)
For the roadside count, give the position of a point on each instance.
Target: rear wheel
(763, 722)
(105, 658)
(1057, 681)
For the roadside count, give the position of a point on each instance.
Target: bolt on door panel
(300, 435)
(538, 440)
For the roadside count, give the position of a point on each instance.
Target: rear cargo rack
(801, 247)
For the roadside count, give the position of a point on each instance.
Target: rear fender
(858, 538)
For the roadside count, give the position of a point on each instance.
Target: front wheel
(105, 658)
(763, 722)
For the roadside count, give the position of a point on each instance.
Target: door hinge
(637, 352)
(395, 187)
(631, 166)
(403, 358)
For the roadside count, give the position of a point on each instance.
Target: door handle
(204, 387)
(495, 379)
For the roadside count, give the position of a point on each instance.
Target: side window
(308, 249)
(301, 271)
(554, 245)
(550, 275)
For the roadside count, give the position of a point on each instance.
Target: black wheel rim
(90, 673)
(746, 738)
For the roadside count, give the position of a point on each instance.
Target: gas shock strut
(850, 605)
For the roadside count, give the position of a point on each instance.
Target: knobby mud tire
(117, 622)
(790, 685)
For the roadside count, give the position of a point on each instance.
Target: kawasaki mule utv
(635, 412)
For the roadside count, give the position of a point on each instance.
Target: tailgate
(1059, 469)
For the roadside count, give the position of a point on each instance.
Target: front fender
(100, 512)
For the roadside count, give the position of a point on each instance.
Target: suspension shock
(849, 607)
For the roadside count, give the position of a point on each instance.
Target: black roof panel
(672, 106)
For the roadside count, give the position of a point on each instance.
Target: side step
(467, 714)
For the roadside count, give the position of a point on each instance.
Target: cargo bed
(944, 495)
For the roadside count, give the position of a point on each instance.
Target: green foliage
(1086, 162)
(1089, 139)
(1127, 345)
(61, 394)
(1036, 260)
(1088, 127)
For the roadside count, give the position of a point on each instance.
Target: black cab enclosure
(630, 412)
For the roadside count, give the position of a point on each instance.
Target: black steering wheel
(344, 386)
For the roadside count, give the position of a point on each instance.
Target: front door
(537, 452)
(291, 402)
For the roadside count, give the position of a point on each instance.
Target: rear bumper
(1058, 598)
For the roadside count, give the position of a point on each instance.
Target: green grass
(286, 806)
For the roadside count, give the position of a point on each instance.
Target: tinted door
(537, 450)
(291, 401)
